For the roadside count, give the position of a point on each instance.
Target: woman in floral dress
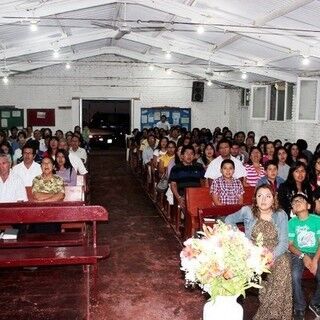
(267, 219)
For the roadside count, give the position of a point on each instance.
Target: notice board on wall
(11, 117)
(175, 116)
(41, 117)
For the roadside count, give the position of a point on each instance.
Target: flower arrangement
(224, 262)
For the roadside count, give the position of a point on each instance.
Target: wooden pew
(200, 198)
(72, 193)
(21, 252)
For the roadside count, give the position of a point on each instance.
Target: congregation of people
(285, 206)
(41, 160)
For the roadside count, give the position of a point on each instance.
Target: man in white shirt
(214, 168)
(28, 169)
(77, 150)
(163, 123)
(11, 186)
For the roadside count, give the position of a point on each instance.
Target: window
(308, 100)
(245, 97)
(259, 102)
(281, 94)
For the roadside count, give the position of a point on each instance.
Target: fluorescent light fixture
(5, 80)
(33, 25)
(151, 67)
(305, 61)
(244, 75)
(68, 66)
(56, 53)
(200, 29)
(168, 55)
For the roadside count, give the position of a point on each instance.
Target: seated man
(28, 169)
(227, 190)
(304, 236)
(77, 150)
(214, 168)
(271, 177)
(185, 174)
(12, 188)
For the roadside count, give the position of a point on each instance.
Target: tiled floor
(141, 279)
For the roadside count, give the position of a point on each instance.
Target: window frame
(316, 116)
(267, 102)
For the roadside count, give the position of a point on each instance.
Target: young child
(271, 177)
(226, 189)
(304, 234)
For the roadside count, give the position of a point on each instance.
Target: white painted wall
(105, 77)
(284, 130)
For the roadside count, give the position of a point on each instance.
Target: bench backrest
(43, 214)
(248, 195)
(217, 211)
(72, 193)
(197, 198)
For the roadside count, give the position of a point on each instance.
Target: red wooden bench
(59, 249)
(200, 198)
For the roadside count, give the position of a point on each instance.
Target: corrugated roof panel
(250, 9)
(254, 50)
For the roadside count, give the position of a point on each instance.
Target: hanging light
(168, 55)
(209, 83)
(169, 71)
(5, 80)
(305, 60)
(68, 66)
(34, 25)
(244, 75)
(151, 67)
(200, 29)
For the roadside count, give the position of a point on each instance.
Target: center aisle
(141, 279)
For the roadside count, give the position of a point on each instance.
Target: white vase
(223, 308)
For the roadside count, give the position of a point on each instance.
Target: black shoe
(298, 315)
(315, 308)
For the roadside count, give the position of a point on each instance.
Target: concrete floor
(140, 280)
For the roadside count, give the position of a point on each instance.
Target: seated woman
(64, 168)
(266, 219)
(296, 182)
(47, 186)
(254, 168)
(207, 156)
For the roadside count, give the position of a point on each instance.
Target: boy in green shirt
(304, 234)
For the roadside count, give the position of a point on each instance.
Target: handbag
(163, 184)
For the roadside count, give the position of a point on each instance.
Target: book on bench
(9, 234)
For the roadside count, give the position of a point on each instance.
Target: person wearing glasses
(304, 236)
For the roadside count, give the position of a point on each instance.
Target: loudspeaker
(197, 91)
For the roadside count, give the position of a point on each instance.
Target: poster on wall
(176, 116)
(41, 117)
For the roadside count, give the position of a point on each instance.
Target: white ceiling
(266, 39)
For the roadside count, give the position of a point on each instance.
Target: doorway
(111, 115)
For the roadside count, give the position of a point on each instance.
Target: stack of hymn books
(9, 234)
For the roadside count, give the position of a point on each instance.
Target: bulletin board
(175, 116)
(41, 117)
(11, 117)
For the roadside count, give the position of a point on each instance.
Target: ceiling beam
(192, 71)
(53, 7)
(260, 21)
